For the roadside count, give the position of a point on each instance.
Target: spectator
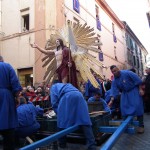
(147, 90)
(106, 84)
(133, 70)
(47, 91)
(23, 93)
(67, 102)
(30, 92)
(9, 89)
(131, 101)
(39, 92)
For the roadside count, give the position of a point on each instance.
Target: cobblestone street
(127, 141)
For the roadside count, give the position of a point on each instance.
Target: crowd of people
(124, 96)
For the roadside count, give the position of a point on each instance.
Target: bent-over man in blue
(131, 101)
(9, 89)
(97, 97)
(27, 114)
(71, 109)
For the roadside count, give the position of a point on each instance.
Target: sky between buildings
(134, 13)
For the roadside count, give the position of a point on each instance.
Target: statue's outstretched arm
(47, 52)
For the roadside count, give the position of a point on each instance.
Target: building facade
(107, 26)
(23, 22)
(136, 52)
(148, 18)
(148, 12)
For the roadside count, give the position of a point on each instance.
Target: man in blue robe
(9, 89)
(71, 109)
(97, 98)
(27, 114)
(90, 90)
(131, 101)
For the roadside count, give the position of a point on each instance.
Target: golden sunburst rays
(51, 42)
(84, 64)
(91, 64)
(83, 37)
(47, 60)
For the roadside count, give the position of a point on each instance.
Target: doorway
(25, 76)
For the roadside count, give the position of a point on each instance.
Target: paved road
(135, 141)
(127, 141)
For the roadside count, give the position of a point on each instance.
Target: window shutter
(114, 38)
(98, 23)
(76, 6)
(101, 58)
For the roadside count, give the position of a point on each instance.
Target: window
(76, 6)
(134, 60)
(148, 17)
(99, 41)
(98, 23)
(101, 58)
(136, 49)
(128, 41)
(145, 59)
(115, 53)
(138, 64)
(25, 19)
(25, 76)
(25, 22)
(114, 35)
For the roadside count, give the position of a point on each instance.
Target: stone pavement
(127, 141)
(135, 141)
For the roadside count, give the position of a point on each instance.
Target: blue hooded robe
(28, 124)
(9, 86)
(131, 101)
(69, 105)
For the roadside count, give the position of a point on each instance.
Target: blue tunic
(90, 90)
(28, 124)
(105, 106)
(131, 101)
(69, 105)
(9, 86)
(108, 95)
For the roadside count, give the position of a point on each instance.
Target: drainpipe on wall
(125, 48)
(1, 32)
